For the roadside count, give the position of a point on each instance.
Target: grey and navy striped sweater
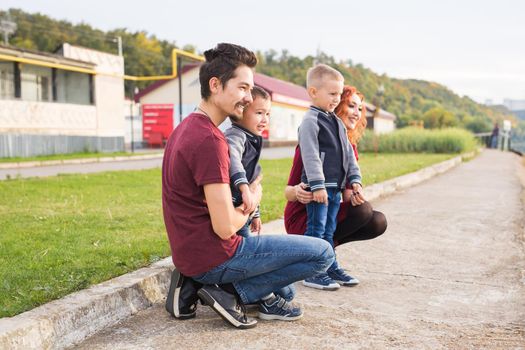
(328, 157)
(245, 150)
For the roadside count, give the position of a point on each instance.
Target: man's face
(235, 95)
(328, 94)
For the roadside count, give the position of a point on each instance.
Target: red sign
(157, 122)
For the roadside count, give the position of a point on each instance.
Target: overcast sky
(475, 47)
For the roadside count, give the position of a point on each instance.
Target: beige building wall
(284, 122)
(383, 126)
(109, 87)
(49, 118)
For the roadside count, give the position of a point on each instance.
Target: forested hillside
(145, 54)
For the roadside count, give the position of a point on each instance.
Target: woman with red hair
(356, 221)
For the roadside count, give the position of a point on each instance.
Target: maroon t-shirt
(196, 154)
(295, 212)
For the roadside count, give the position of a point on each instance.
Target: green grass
(69, 156)
(61, 234)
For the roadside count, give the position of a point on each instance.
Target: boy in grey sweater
(329, 165)
(245, 145)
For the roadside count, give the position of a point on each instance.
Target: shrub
(451, 140)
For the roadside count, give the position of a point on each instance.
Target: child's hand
(321, 196)
(248, 199)
(256, 225)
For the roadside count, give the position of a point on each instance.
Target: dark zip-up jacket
(328, 158)
(245, 151)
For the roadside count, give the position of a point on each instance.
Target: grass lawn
(70, 156)
(61, 234)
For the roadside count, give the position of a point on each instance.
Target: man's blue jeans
(270, 264)
(322, 218)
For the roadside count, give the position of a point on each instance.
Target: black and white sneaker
(227, 305)
(182, 298)
(277, 308)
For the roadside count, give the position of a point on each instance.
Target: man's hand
(247, 199)
(321, 196)
(357, 197)
(256, 225)
(256, 191)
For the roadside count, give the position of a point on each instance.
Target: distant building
(379, 121)
(514, 105)
(70, 101)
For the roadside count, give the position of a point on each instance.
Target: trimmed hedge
(451, 140)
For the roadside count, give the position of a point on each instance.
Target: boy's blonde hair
(315, 75)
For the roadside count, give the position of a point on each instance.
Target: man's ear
(312, 91)
(215, 85)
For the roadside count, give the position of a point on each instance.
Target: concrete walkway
(448, 273)
(84, 166)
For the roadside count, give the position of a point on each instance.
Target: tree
(438, 117)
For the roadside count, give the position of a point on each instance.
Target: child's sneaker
(276, 308)
(340, 276)
(321, 281)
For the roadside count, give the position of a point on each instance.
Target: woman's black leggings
(361, 223)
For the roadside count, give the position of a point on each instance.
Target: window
(73, 87)
(36, 83)
(7, 80)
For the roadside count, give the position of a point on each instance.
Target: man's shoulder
(199, 127)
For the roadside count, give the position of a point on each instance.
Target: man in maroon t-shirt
(212, 263)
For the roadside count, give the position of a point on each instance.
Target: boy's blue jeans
(270, 264)
(321, 219)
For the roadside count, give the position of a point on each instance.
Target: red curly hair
(343, 111)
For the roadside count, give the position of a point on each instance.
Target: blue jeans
(321, 218)
(270, 264)
(245, 230)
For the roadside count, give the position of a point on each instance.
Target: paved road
(449, 273)
(42, 171)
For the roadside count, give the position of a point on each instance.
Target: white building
(66, 102)
(380, 121)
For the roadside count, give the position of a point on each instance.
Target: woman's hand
(302, 195)
(356, 195)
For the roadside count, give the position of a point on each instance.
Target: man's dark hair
(221, 62)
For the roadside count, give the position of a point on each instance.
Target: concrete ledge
(70, 320)
(66, 321)
(32, 164)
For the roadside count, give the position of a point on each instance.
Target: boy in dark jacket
(245, 145)
(329, 164)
